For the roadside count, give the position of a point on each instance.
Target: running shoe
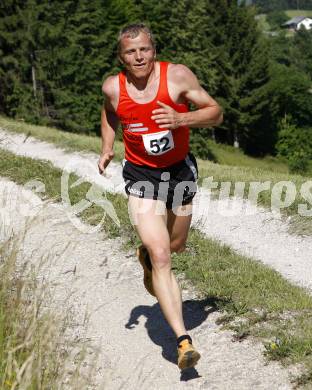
(145, 261)
(187, 355)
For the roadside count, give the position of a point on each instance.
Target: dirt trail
(137, 348)
(251, 231)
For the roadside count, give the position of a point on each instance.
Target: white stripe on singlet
(136, 127)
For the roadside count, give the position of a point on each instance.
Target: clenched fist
(104, 160)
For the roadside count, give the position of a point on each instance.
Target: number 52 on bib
(158, 143)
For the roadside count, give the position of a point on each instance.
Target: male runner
(150, 99)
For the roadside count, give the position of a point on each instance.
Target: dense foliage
(295, 145)
(292, 97)
(54, 56)
(276, 19)
(274, 5)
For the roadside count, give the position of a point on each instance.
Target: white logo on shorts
(135, 191)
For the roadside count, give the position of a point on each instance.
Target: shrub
(295, 144)
(200, 146)
(276, 19)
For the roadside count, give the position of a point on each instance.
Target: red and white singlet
(146, 143)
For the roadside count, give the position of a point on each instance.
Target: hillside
(300, 12)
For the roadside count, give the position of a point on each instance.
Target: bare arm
(109, 125)
(208, 114)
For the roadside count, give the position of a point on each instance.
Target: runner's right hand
(104, 160)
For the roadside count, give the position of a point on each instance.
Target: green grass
(22, 169)
(254, 299)
(222, 154)
(301, 12)
(229, 155)
(32, 348)
(264, 26)
(63, 139)
(231, 165)
(299, 224)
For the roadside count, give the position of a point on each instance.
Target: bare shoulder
(110, 89)
(182, 79)
(180, 73)
(110, 86)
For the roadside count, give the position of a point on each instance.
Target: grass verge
(221, 154)
(254, 299)
(63, 139)
(34, 355)
(232, 167)
(285, 193)
(229, 155)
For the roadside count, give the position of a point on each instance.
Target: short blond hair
(132, 31)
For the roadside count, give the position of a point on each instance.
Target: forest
(54, 56)
(277, 5)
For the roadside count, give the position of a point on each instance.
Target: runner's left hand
(166, 117)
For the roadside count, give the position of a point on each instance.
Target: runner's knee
(160, 256)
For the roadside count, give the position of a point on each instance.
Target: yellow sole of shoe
(189, 359)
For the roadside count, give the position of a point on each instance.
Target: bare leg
(178, 224)
(153, 232)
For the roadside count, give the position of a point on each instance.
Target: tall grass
(255, 299)
(34, 354)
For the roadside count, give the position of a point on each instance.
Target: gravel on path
(136, 346)
(252, 231)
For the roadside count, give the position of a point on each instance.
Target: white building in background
(298, 22)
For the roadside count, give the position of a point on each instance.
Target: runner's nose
(138, 55)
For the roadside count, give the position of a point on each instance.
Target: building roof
(295, 20)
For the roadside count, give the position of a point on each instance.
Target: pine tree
(17, 47)
(290, 95)
(247, 73)
(55, 55)
(302, 51)
(191, 44)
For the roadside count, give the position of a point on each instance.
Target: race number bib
(158, 143)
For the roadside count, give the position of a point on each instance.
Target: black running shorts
(175, 185)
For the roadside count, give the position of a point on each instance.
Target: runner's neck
(142, 84)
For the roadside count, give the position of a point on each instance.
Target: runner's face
(138, 55)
